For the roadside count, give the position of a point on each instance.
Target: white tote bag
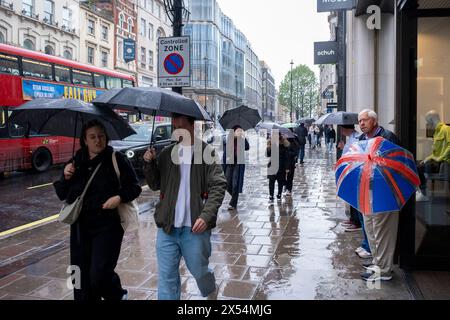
(128, 211)
(69, 212)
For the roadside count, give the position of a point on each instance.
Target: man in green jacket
(192, 188)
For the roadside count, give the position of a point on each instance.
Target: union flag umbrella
(376, 176)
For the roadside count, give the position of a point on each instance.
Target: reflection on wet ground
(294, 250)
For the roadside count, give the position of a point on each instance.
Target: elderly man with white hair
(381, 229)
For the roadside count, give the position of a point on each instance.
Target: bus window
(3, 116)
(32, 68)
(82, 77)
(127, 83)
(16, 131)
(114, 82)
(9, 64)
(62, 74)
(99, 81)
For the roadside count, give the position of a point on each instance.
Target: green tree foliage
(305, 91)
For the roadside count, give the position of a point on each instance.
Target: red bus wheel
(41, 159)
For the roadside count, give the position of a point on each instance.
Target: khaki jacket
(208, 186)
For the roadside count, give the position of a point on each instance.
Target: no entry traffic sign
(174, 62)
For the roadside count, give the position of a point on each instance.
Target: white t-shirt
(183, 206)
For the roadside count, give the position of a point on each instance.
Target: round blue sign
(174, 63)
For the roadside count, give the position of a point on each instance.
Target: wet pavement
(296, 249)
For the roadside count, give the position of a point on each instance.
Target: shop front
(423, 125)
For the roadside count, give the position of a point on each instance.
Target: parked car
(135, 146)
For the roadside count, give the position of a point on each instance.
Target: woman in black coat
(280, 175)
(96, 236)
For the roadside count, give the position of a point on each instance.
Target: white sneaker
(363, 254)
(357, 250)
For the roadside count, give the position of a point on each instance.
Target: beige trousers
(381, 230)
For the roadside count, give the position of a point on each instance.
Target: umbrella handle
(75, 135)
(153, 128)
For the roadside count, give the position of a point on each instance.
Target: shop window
(433, 136)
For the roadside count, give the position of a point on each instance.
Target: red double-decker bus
(25, 75)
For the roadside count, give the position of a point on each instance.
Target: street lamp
(206, 78)
(236, 87)
(292, 64)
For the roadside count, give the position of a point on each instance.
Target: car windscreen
(143, 133)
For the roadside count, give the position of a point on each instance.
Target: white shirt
(183, 206)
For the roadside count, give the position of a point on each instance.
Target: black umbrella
(274, 126)
(152, 101)
(306, 120)
(338, 118)
(243, 116)
(65, 117)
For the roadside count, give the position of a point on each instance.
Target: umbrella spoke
(394, 186)
(364, 188)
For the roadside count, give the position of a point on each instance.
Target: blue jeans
(365, 242)
(301, 153)
(195, 248)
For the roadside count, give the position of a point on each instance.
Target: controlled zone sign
(174, 62)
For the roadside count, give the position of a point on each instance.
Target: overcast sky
(280, 30)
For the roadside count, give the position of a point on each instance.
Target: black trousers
(290, 179)
(95, 249)
(232, 175)
(281, 181)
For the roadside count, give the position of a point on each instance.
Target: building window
(143, 28)
(49, 50)
(2, 38)
(147, 82)
(130, 25)
(150, 60)
(152, 6)
(121, 20)
(90, 54)
(105, 33)
(27, 6)
(158, 11)
(67, 54)
(143, 57)
(104, 59)
(150, 31)
(49, 11)
(67, 18)
(28, 44)
(91, 26)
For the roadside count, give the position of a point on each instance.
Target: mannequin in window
(440, 151)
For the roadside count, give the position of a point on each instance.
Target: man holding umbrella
(382, 228)
(191, 194)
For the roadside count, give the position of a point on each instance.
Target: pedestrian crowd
(190, 197)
